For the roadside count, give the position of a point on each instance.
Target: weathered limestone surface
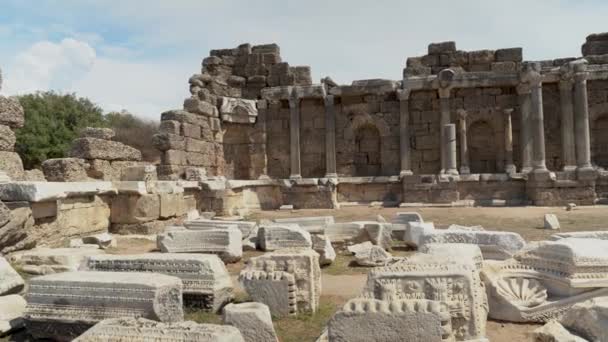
(278, 236)
(46, 191)
(206, 282)
(10, 280)
(456, 251)
(7, 138)
(407, 217)
(372, 256)
(378, 233)
(12, 308)
(322, 245)
(93, 148)
(551, 222)
(145, 173)
(415, 231)
(493, 244)
(423, 276)
(64, 305)
(374, 320)
(238, 110)
(11, 112)
(287, 280)
(253, 320)
(97, 133)
(224, 242)
(143, 330)
(246, 227)
(339, 232)
(532, 287)
(555, 332)
(53, 260)
(11, 163)
(597, 234)
(310, 224)
(65, 170)
(102, 240)
(588, 319)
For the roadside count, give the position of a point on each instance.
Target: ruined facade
(521, 131)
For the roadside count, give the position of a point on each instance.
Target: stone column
(404, 131)
(567, 119)
(581, 114)
(444, 104)
(509, 166)
(449, 136)
(532, 78)
(294, 137)
(330, 138)
(464, 149)
(263, 121)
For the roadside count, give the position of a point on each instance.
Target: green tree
(52, 122)
(135, 132)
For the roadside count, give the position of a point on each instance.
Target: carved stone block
(227, 243)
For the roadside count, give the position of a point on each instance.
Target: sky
(138, 55)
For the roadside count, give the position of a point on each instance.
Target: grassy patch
(344, 264)
(307, 327)
(200, 316)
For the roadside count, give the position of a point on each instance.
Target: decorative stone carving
(238, 110)
(206, 282)
(456, 251)
(253, 320)
(374, 320)
(455, 283)
(143, 330)
(547, 278)
(10, 280)
(224, 242)
(288, 280)
(62, 306)
(372, 256)
(278, 236)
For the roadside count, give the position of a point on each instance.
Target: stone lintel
(49, 191)
(366, 87)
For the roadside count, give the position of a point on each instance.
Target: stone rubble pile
(100, 156)
(11, 117)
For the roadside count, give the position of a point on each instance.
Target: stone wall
(11, 117)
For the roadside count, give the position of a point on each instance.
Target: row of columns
(574, 128)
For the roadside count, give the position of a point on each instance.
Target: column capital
(294, 101)
(507, 111)
(579, 68)
(262, 104)
(529, 77)
(462, 114)
(329, 100)
(403, 94)
(445, 77)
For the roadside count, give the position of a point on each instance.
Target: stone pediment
(238, 110)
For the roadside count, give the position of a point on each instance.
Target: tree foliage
(53, 121)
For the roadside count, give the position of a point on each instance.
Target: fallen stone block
(92, 148)
(428, 277)
(65, 170)
(246, 227)
(460, 227)
(206, 282)
(407, 217)
(322, 245)
(97, 133)
(340, 232)
(597, 234)
(7, 139)
(414, 232)
(314, 224)
(11, 112)
(373, 320)
(456, 251)
(12, 308)
(372, 256)
(10, 281)
(52, 260)
(555, 332)
(103, 241)
(139, 173)
(533, 287)
(288, 280)
(131, 209)
(588, 319)
(253, 320)
(62, 306)
(551, 222)
(141, 228)
(378, 233)
(273, 237)
(11, 163)
(144, 330)
(359, 247)
(493, 244)
(227, 243)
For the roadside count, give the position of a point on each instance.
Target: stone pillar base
(541, 175)
(569, 168)
(586, 173)
(331, 175)
(464, 170)
(510, 169)
(404, 173)
(295, 177)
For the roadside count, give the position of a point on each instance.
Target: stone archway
(482, 147)
(599, 143)
(237, 153)
(368, 160)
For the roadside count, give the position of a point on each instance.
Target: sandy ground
(527, 221)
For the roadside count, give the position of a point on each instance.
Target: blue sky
(138, 55)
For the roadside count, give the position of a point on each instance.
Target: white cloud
(47, 65)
